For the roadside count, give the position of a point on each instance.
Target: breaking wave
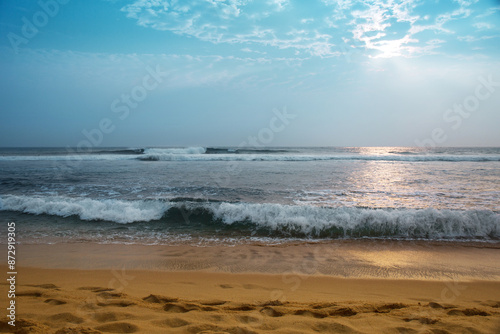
(85, 208)
(249, 154)
(270, 220)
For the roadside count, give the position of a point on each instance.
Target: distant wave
(69, 157)
(248, 154)
(213, 150)
(176, 151)
(195, 154)
(123, 151)
(304, 157)
(271, 220)
(118, 154)
(169, 154)
(403, 152)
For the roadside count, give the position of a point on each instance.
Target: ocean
(230, 195)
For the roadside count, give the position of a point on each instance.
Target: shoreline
(420, 260)
(371, 287)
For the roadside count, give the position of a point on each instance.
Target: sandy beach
(342, 287)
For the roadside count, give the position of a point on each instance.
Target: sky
(138, 73)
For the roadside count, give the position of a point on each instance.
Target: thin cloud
(379, 28)
(470, 39)
(483, 25)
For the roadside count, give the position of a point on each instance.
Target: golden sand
(136, 289)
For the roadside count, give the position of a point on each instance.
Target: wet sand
(341, 287)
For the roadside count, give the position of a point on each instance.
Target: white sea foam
(309, 157)
(159, 153)
(252, 154)
(290, 220)
(198, 154)
(429, 223)
(86, 208)
(171, 151)
(173, 154)
(68, 157)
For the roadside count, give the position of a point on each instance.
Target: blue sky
(354, 73)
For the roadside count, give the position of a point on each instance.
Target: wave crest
(271, 220)
(86, 209)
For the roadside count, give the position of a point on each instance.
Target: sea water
(231, 195)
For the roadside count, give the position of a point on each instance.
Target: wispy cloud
(381, 28)
(181, 70)
(233, 22)
(374, 26)
(371, 27)
(488, 12)
(469, 38)
(483, 25)
(280, 4)
(253, 51)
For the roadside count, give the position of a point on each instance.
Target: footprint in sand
(438, 306)
(273, 303)
(333, 327)
(407, 330)
(343, 312)
(159, 299)
(243, 307)
(175, 308)
(322, 305)
(469, 312)
(51, 301)
(422, 320)
(213, 302)
(119, 327)
(109, 295)
(386, 308)
(23, 326)
(29, 294)
(95, 288)
(172, 323)
(209, 309)
(312, 314)
(44, 286)
(270, 312)
(116, 303)
(77, 330)
(66, 318)
(209, 328)
(247, 319)
(112, 316)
